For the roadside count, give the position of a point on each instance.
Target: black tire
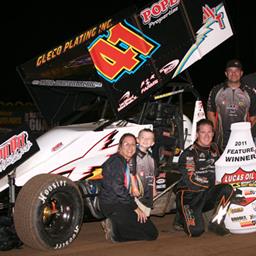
(48, 212)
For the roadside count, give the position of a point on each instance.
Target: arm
(154, 188)
(252, 120)
(211, 108)
(211, 116)
(252, 109)
(188, 169)
(134, 188)
(117, 182)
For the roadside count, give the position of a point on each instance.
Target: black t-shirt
(231, 106)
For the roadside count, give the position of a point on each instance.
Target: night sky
(31, 29)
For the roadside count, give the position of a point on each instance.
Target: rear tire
(48, 212)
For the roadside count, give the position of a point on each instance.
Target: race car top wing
(127, 57)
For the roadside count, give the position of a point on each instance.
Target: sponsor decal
(13, 149)
(126, 99)
(169, 67)
(238, 218)
(57, 146)
(158, 11)
(67, 83)
(235, 210)
(213, 15)
(148, 83)
(74, 42)
(123, 49)
(247, 223)
(239, 176)
(249, 192)
(201, 179)
(160, 181)
(161, 186)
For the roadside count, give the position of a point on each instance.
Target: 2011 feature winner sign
(241, 154)
(16, 147)
(237, 166)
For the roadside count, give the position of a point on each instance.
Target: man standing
(231, 102)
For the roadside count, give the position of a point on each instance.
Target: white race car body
(73, 151)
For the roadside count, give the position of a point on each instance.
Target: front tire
(48, 212)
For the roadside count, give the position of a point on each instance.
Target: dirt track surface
(91, 242)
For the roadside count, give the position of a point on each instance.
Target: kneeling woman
(125, 221)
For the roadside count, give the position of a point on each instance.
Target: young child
(143, 181)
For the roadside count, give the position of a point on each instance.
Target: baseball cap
(235, 63)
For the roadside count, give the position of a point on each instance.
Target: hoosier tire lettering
(66, 243)
(43, 195)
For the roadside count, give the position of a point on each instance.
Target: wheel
(48, 212)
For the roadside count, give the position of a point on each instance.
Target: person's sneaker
(178, 227)
(218, 229)
(108, 229)
(176, 223)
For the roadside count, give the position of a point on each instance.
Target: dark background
(31, 29)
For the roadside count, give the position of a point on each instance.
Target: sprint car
(56, 189)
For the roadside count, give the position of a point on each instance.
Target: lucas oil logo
(239, 176)
(122, 50)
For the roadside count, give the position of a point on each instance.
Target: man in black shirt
(231, 102)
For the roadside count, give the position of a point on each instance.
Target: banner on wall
(13, 115)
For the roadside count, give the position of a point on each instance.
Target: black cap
(235, 63)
